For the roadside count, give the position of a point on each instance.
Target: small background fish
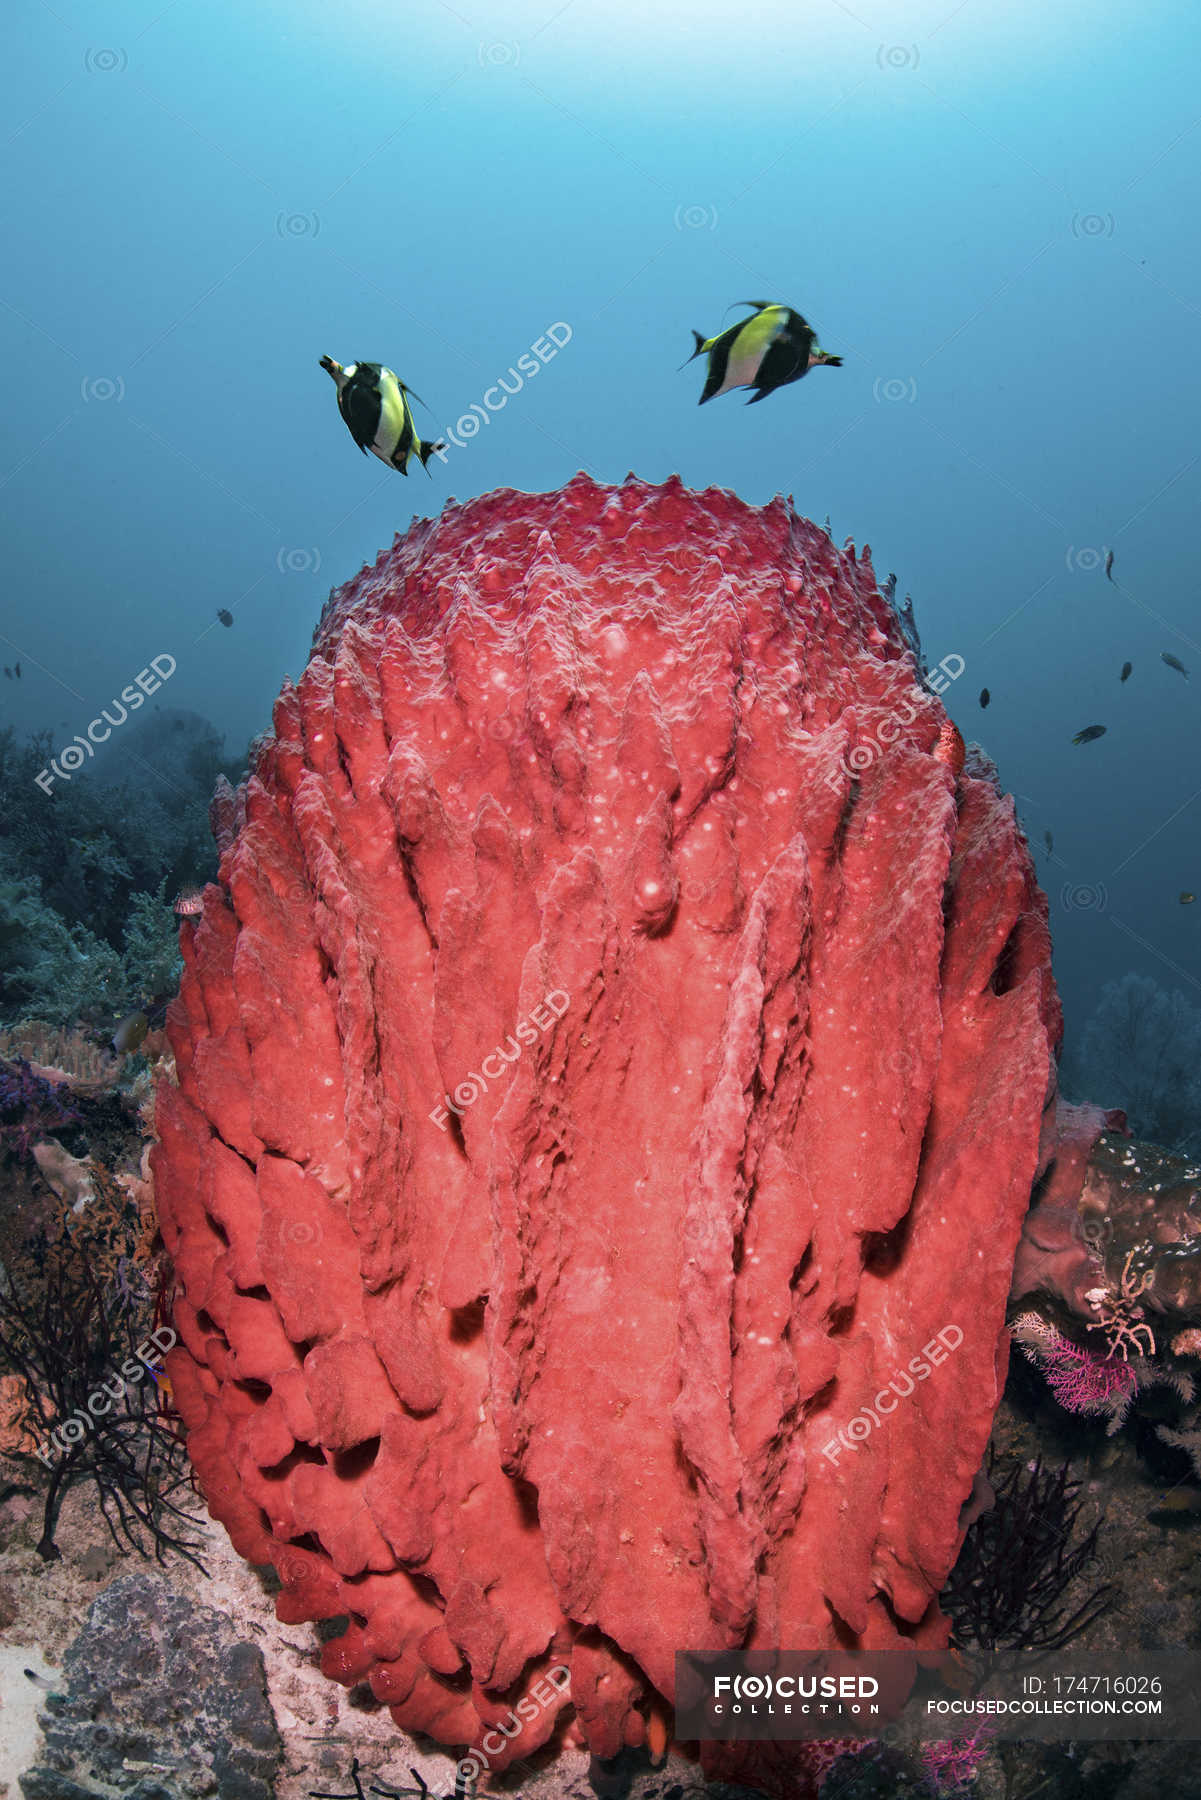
(1179, 1507)
(130, 1033)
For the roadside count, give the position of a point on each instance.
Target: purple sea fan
(31, 1108)
(951, 1766)
(1080, 1380)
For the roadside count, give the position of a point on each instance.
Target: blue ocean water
(987, 211)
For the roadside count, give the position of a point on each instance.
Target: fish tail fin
(702, 344)
(425, 451)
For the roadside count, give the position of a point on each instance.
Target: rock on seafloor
(611, 1070)
(160, 1700)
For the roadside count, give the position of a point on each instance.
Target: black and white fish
(1173, 662)
(767, 351)
(374, 402)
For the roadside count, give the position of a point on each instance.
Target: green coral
(49, 970)
(150, 958)
(87, 932)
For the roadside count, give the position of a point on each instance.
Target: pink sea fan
(1080, 1380)
(953, 1765)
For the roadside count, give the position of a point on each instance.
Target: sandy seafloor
(1156, 1571)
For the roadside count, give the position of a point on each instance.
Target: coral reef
(31, 1108)
(1107, 1278)
(953, 1766)
(64, 1058)
(69, 1176)
(86, 929)
(17, 1437)
(82, 1403)
(49, 969)
(1013, 1590)
(157, 1687)
(612, 1071)
(1081, 1380)
(1142, 1049)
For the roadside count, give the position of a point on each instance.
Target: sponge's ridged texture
(617, 1047)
